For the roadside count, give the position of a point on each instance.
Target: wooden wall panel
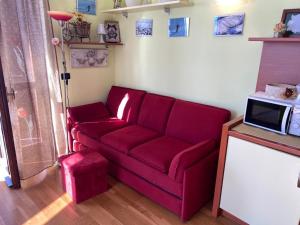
(280, 63)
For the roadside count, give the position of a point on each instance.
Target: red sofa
(165, 148)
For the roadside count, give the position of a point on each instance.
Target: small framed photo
(86, 6)
(143, 27)
(179, 27)
(88, 58)
(112, 32)
(291, 18)
(229, 25)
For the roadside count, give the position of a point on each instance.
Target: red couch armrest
(87, 113)
(188, 157)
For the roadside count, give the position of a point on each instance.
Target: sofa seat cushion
(128, 137)
(142, 170)
(98, 128)
(159, 153)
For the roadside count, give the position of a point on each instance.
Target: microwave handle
(285, 118)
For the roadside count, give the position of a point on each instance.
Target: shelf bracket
(125, 14)
(167, 10)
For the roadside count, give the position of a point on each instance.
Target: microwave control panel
(294, 128)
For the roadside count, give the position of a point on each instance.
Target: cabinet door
(260, 184)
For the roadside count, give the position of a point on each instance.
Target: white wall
(220, 71)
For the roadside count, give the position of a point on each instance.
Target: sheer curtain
(31, 78)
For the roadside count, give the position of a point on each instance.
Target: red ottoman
(84, 174)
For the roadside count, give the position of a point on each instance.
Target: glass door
(8, 163)
(4, 170)
(32, 85)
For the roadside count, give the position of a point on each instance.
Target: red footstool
(84, 174)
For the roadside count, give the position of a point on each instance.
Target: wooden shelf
(271, 39)
(165, 5)
(69, 43)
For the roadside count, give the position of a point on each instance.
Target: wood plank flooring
(46, 203)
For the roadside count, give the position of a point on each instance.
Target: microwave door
(286, 120)
(268, 115)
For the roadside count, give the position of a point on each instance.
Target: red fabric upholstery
(170, 147)
(84, 113)
(84, 174)
(87, 113)
(77, 146)
(194, 122)
(155, 111)
(128, 137)
(159, 152)
(198, 189)
(124, 103)
(98, 128)
(169, 201)
(88, 141)
(188, 157)
(142, 170)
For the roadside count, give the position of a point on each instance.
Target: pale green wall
(220, 71)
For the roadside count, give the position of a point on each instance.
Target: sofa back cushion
(193, 122)
(154, 112)
(124, 103)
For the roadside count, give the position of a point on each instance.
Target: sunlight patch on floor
(49, 212)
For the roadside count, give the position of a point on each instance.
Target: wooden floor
(46, 203)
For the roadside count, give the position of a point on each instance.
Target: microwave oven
(268, 114)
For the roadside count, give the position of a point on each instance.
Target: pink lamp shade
(60, 15)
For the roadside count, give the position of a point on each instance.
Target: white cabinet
(260, 184)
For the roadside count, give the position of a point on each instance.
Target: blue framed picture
(179, 27)
(86, 6)
(143, 27)
(229, 25)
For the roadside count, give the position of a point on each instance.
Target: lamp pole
(62, 17)
(65, 80)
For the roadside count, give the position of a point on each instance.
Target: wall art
(86, 6)
(291, 19)
(229, 25)
(143, 27)
(84, 58)
(112, 32)
(179, 27)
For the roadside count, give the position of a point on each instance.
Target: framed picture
(86, 6)
(112, 32)
(86, 58)
(179, 27)
(143, 27)
(229, 25)
(291, 18)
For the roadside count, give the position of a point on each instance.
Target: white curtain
(30, 72)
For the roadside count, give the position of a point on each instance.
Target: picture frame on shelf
(229, 25)
(291, 18)
(112, 32)
(86, 6)
(88, 58)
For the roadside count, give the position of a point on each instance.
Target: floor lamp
(62, 18)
